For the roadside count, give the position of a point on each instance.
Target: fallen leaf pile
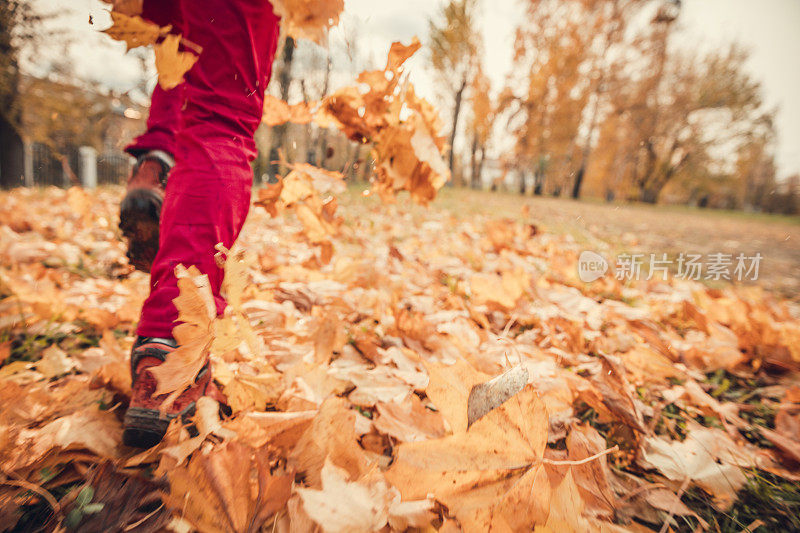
(437, 372)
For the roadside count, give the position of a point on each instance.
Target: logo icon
(591, 266)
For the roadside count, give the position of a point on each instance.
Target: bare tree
(454, 44)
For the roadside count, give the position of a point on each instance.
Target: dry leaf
(474, 471)
(230, 488)
(171, 63)
(408, 421)
(708, 457)
(346, 505)
(591, 478)
(91, 429)
(54, 362)
(486, 396)
(331, 437)
(308, 19)
(134, 30)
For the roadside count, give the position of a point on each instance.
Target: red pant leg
(165, 106)
(208, 192)
(162, 122)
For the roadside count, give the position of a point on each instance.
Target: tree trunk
(456, 113)
(649, 195)
(587, 149)
(538, 182)
(284, 81)
(478, 183)
(366, 163)
(599, 88)
(473, 161)
(576, 186)
(322, 149)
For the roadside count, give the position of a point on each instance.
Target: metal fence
(113, 168)
(63, 170)
(49, 169)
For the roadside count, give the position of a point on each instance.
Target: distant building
(58, 118)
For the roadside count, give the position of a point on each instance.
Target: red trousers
(207, 124)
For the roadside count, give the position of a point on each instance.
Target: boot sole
(139, 216)
(144, 428)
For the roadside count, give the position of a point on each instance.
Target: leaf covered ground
(349, 361)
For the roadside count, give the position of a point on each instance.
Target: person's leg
(208, 192)
(154, 150)
(162, 123)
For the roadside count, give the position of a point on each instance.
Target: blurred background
(691, 102)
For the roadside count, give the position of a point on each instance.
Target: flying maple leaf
(277, 112)
(206, 421)
(126, 7)
(201, 335)
(134, 31)
(402, 128)
(249, 385)
(308, 19)
(171, 62)
(194, 335)
(399, 53)
(301, 191)
(233, 330)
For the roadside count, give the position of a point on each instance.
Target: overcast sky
(770, 28)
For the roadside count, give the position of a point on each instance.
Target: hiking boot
(144, 424)
(140, 209)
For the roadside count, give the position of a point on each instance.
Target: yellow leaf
(171, 63)
(475, 470)
(195, 302)
(343, 505)
(126, 7)
(503, 291)
(54, 362)
(398, 53)
(276, 111)
(181, 367)
(228, 489)
(248, 390)
(196, 311)
(308, 19)
(134, 30)
(331, 437)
